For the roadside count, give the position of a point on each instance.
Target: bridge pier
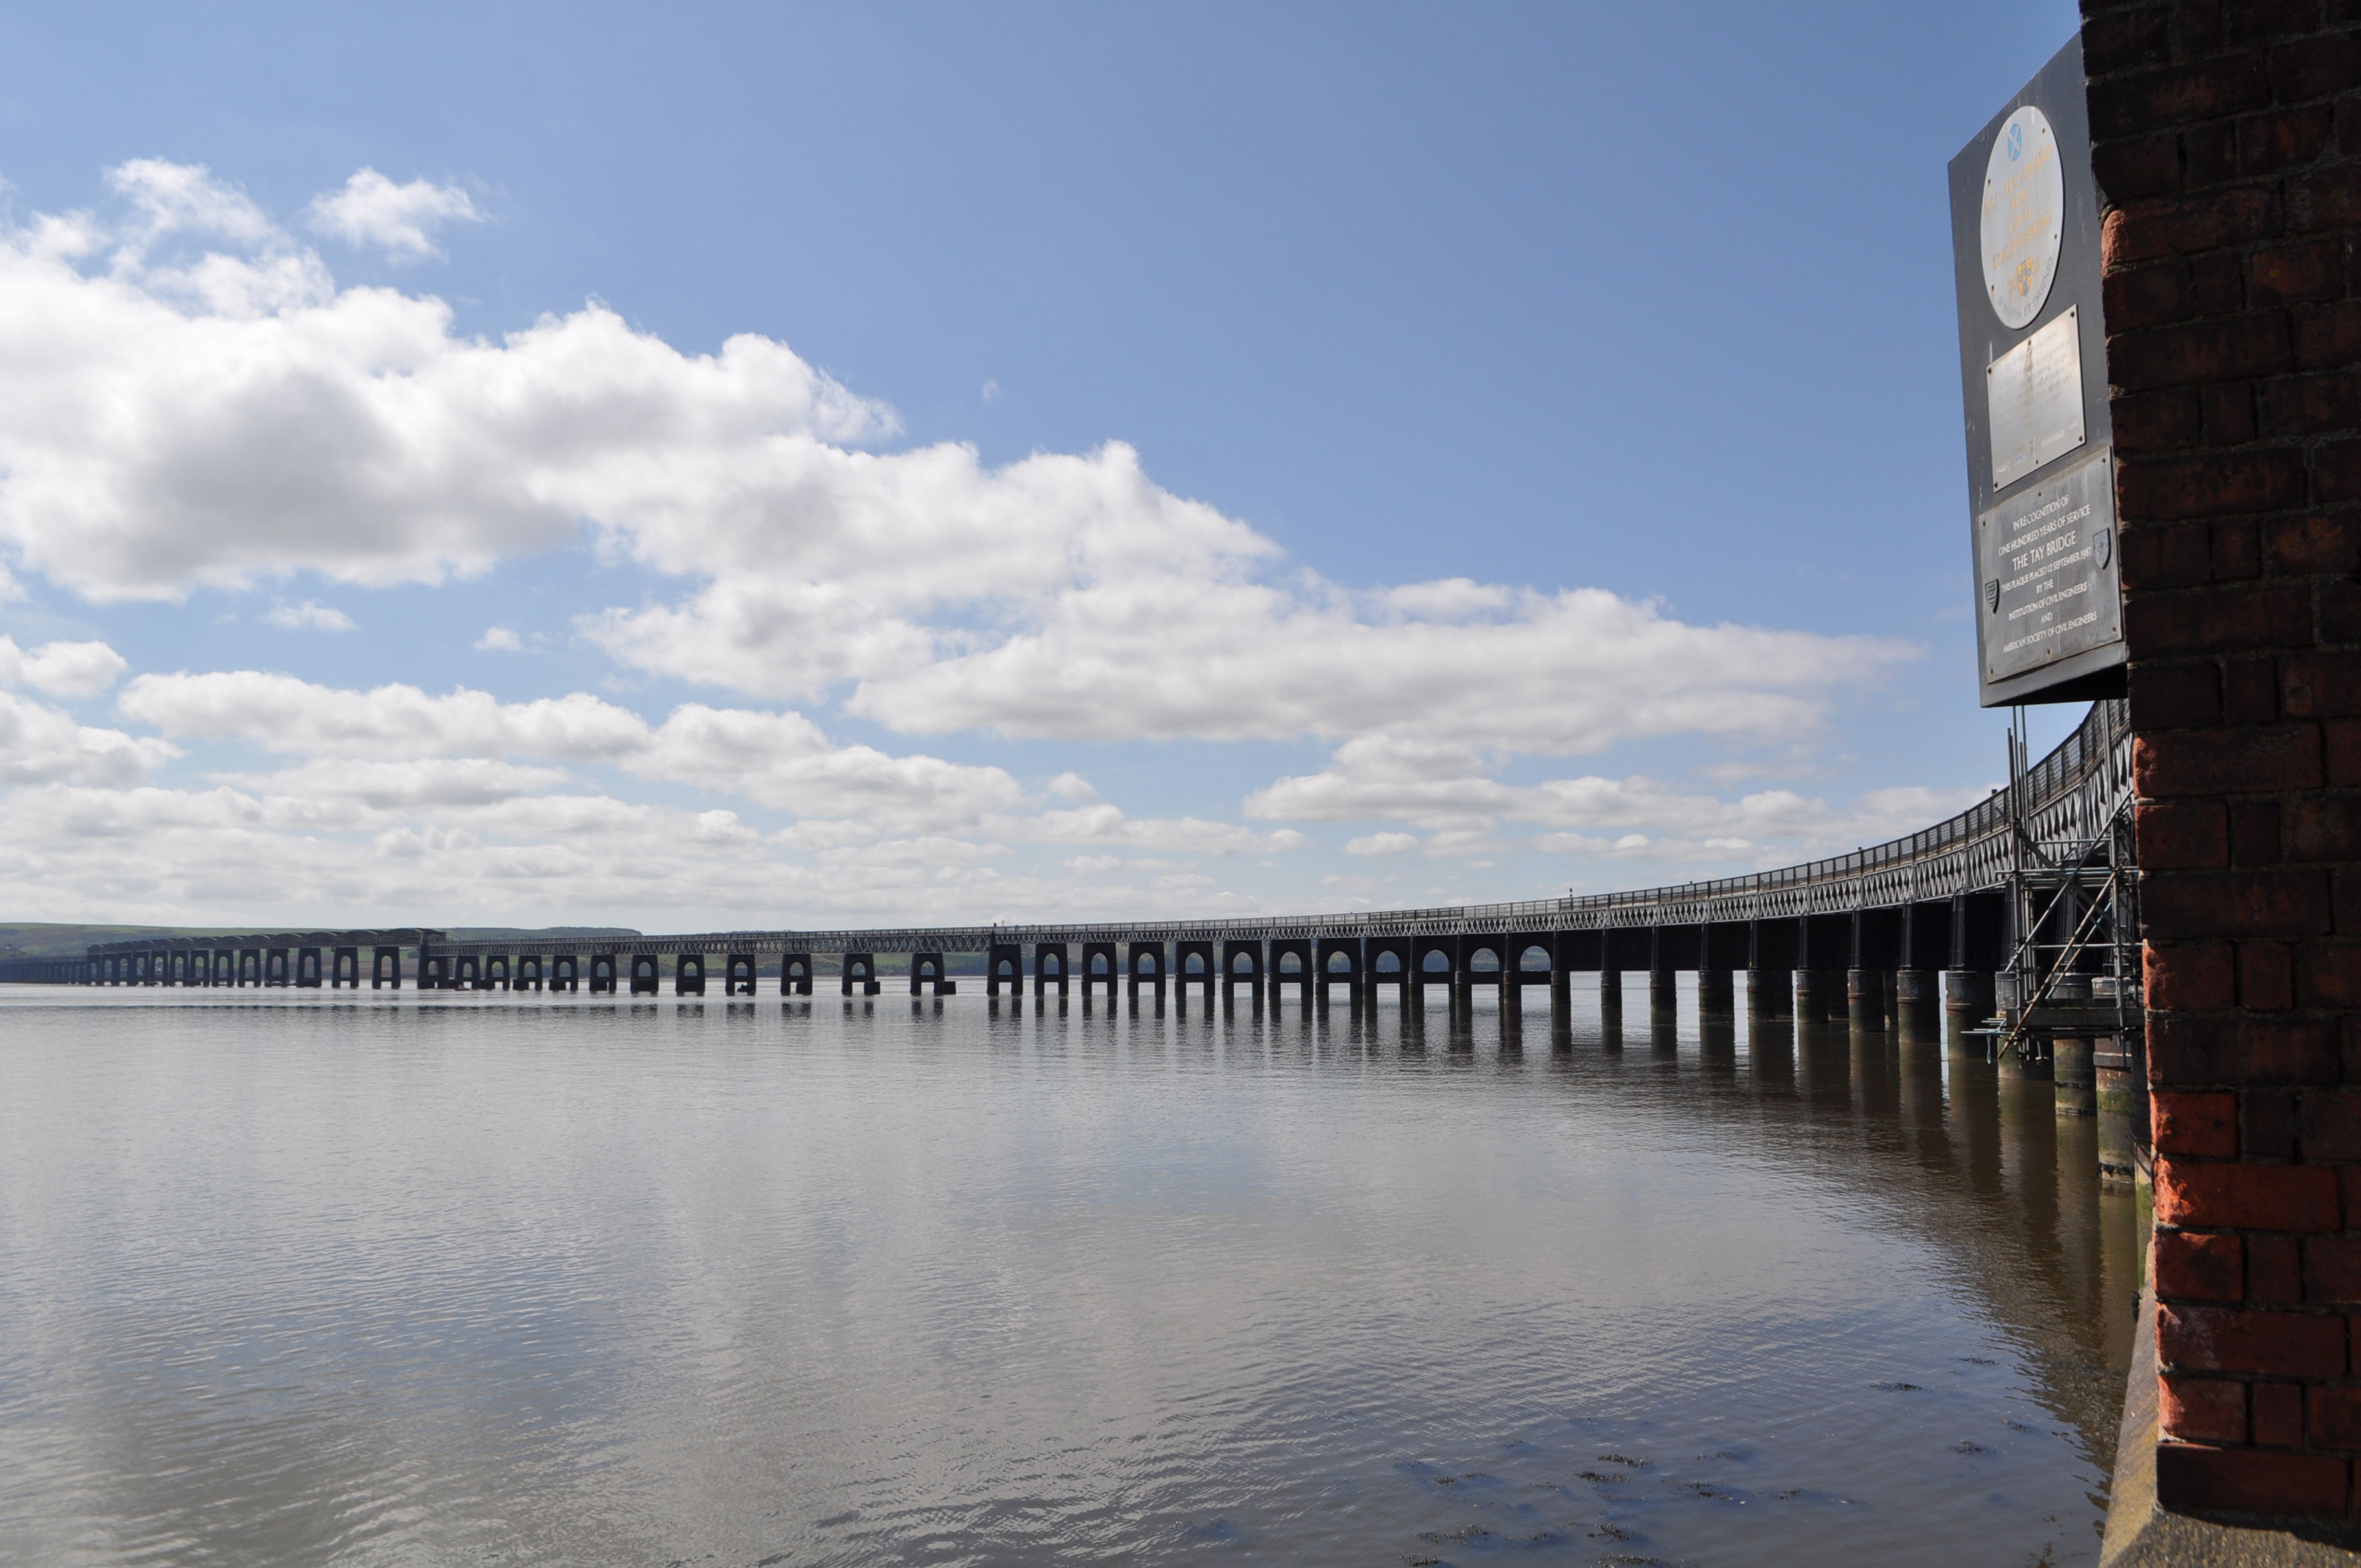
(1664, 999)
(529, 973)
(927, 968)
(1969, 993)
(602, 974)
(1327, 954)
(857, 975)
(795, 974)
(1145, 964)
(1100, 966)
(646, 975)
(1004, 964)
(1242, 962)
(1865, 1000)
(564, 973)
(1611, 996)
(1049, 963)
(1283, 950)
(1716, 995)
(1917, 1000)
(1195, 964)
(689, 974)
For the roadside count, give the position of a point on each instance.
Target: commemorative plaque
(2033, 395)
(2046, 557)
(2041, 494)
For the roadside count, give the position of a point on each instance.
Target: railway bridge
(2028, 888)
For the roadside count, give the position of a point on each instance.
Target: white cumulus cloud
(309, 616)
(61, 669)
(372, 210)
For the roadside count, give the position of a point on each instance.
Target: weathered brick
(2166, 421)
(2333, 1269)
(2250, 695)
(2325, 199)
(2267, 21)
(2192, 1476)
(2229, 422)
(2325, 542)
(2266, 1128)
(2320, 686)
(2336, 1417)
(2329, 1125)
(2309, 272)
(2342, 749)
(2253, 760)
(2244, 620)
(2127, 170)
(2338, 475)
(2276, 1415)
(2338, 607)
(2266, 982)
(2182, 836)
(2194, 1265)
(2324, 828)
(2344, 901)
(2274, 1271)
(2256, 836)
(2316, 66)
(2189, 353)
(2267, 143)
(2203, 1123)
(2241, 1338)
(2209, 155)
(2202, 1410)
(2173, 697)
(2192, 1049)
(2327, 336)
(2238, 1196)
(2328, 975)
(2148, 296)
(2137, 103)
(2114, 40)
(2308, 405)
(2167, 555)
(2196, 28)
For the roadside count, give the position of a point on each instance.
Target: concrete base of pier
(1969, 991)
(1717, 995)
(2140, 1534)
(1770, 993)
(2071, 1073)
(1865, 999)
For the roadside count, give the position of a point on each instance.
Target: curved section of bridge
(1940, 899)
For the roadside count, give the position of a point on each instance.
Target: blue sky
(1538, 467)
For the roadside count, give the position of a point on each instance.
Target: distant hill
(34, 939)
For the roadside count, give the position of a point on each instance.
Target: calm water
(488, 1280)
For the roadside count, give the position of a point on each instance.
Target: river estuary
(291, 1278)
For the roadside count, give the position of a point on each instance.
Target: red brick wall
(2227, 142)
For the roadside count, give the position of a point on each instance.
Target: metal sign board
(2024, 238)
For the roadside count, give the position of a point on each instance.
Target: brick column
(2227, 145)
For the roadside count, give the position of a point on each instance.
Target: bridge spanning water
(1867, 932)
